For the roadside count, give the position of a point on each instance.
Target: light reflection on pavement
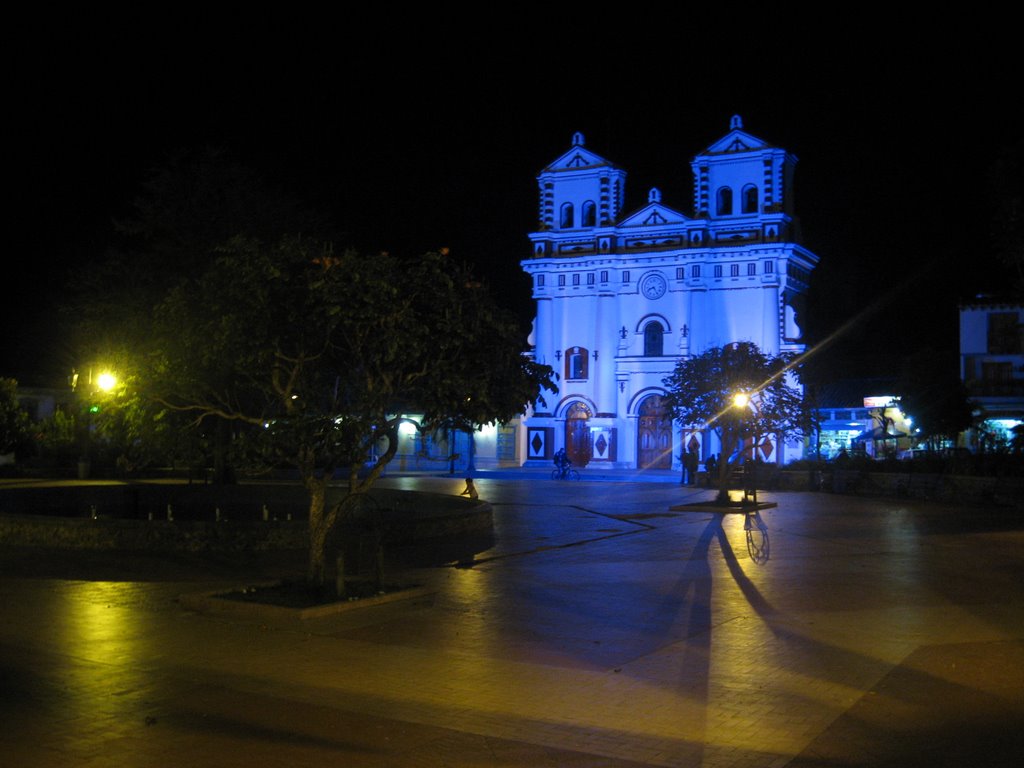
(597, 628)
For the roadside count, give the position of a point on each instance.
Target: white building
(622, 296)
(992, 366)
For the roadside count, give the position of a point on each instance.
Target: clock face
(653, 286)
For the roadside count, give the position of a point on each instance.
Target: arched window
(567, 215)
(724, 201)
(750, 199)
(654, 339)
(589, 214)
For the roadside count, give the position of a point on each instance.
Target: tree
(316, 357)
(198, 199)
(56, 439)
(14, 421)
(702, 391)
(189, 206)
(932, 393)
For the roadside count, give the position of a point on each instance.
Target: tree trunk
(322, 520)
(319, 528)
(723, 482)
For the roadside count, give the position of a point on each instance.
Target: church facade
(622, 296)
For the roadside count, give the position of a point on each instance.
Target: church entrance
(654, 435)
(577, 435)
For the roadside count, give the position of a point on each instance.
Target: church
(622, 296)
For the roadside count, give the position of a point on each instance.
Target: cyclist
(562, 462)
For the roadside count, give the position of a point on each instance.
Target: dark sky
(430, 140)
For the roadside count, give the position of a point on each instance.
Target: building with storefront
(857, 418)
(992, 369)
(621, 296)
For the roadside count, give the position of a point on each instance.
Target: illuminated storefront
(871, 425)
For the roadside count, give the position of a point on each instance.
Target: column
(607, 343)
(770, 320)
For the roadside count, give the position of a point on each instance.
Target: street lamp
(106, 381)
(102, 384)
(742, 400)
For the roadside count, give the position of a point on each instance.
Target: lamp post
(103, 383)
(742, 401)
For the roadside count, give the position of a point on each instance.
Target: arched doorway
(577, 434)
(654, 435)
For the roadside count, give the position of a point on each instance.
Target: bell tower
(742, 176)
(580, 191)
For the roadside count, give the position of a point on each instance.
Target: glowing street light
(92, 398)
(741, 400)
(106, 381)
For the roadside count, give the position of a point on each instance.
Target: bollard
(150, 515)
(266, 513)
(170, 512)
(216, 514)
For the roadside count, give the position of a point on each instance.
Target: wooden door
(577, 435)
(654, 435)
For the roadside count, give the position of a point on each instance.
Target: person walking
(711, 465)
(691, 463)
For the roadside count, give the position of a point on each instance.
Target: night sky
(420, 142)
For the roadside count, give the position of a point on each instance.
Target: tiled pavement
(601, 629)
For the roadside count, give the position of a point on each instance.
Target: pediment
(736, 141)
(576, 159)
(654, 215)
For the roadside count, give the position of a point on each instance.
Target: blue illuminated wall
(621, 295)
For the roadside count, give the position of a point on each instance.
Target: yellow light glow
(741, 399)
(106, 381)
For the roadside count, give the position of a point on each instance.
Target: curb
(738, 507)
(213, 603)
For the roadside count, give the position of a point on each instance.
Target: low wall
(959, 489)
(118, 517)
(143, 501)
(151, 536)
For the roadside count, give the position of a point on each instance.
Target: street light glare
(740, 399)
(106, 381)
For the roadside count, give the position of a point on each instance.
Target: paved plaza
(599, 628)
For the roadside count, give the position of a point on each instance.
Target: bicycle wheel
(574, 475)
(554, 474)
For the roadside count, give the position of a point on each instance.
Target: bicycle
(564, 473)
